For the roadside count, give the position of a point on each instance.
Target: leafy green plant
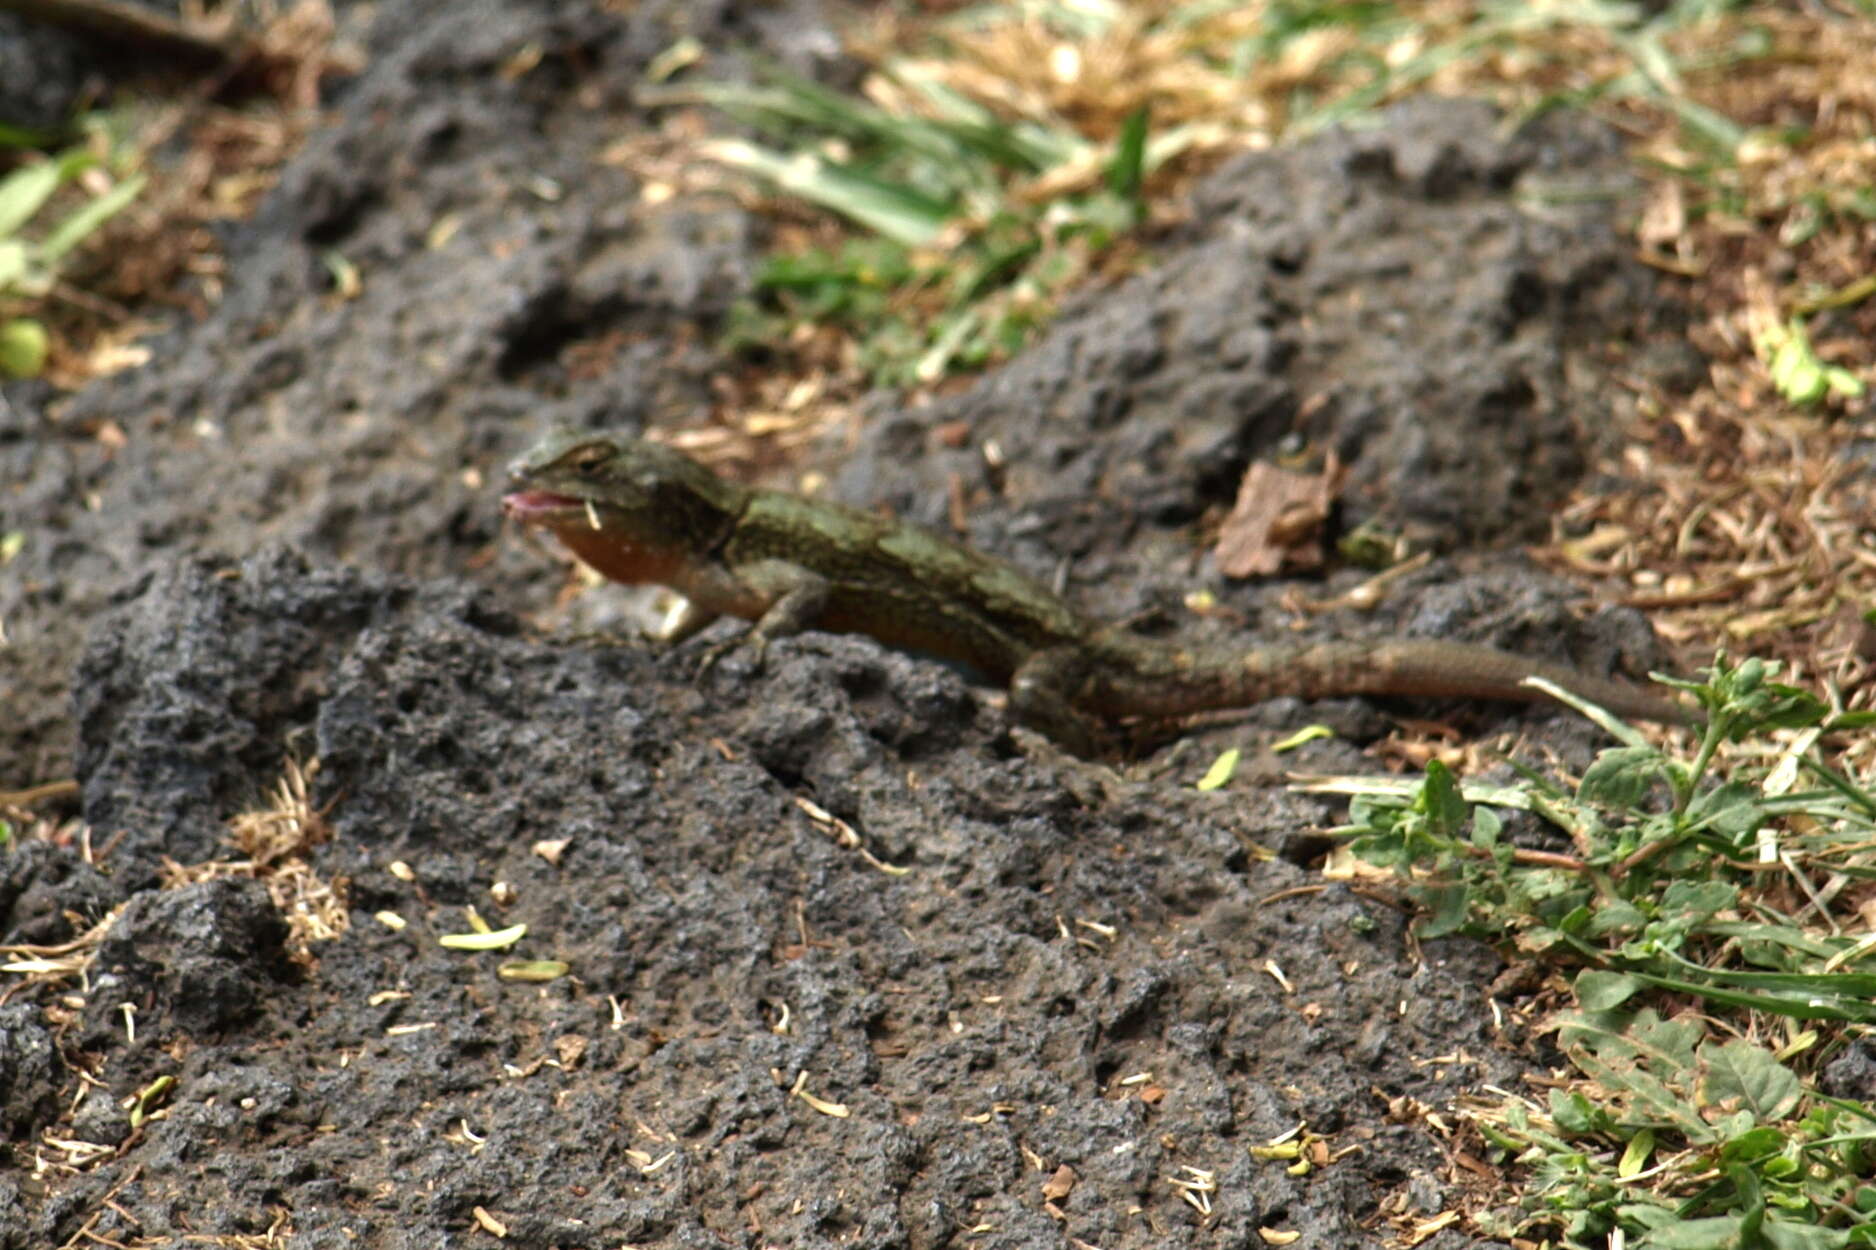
(1661, 896)
(963, 254)
(30, 261)
(1642, 823)
(1687, 1144)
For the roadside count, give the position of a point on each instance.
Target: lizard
(640, 512)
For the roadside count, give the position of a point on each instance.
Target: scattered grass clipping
(493, 940)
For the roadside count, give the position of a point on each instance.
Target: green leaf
(996, 269)
(1851, 720)
(1308, 733)
(1734, 810)
(1620, 777)
(1616, 916)
(533, 970)
(1648, 1099)
(1717, 1233)
(1778, 706)
(1644, 1063)
(1577, 1115)
(25, 191)
(1790, 1235)
(1753, 1145)
(1604, 991)
(1714, 128)
(15, 264)
(1635, 1156)
(1749, 1074)
(149, 1098)
(1448, 905)
(1487, 828)
(1439, 798)
(1690, 902)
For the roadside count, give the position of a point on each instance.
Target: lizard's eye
(588, 460)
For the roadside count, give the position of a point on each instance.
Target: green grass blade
(26, 191)
(1796, 1006)
(1020, 145)
(1126, 170)
(1842, 785)
(81, 224)
(896, 211)
(25, 138)
(15, 264)
(1814, 984)
(779, 108)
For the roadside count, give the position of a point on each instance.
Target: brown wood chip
(1056, 1187)
(1277, 520)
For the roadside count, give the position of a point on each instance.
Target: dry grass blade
(55, 963)
(276, 842)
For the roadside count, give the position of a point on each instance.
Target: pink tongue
(526, 505)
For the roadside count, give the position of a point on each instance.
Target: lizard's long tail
(1184, 680)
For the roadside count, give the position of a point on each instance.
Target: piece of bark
(1056, 1187)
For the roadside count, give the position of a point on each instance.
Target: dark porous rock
(48, 894)
(1426, 298)
(1851, 1074)
(196, 960)
(42, 75)
(31, 1074)
(203, 683)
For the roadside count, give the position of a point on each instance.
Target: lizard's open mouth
(539, 507)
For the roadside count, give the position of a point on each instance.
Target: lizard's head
(562, 474)
(614, 498)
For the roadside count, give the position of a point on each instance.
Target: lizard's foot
(754, 644)
(1037, 700)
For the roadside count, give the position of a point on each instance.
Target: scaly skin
(643, 513)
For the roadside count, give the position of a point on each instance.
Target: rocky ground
(295, 553)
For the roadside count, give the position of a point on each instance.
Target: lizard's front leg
(781, 597)
(1042, 696)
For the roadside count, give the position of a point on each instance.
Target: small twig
(1641, 855)
(37, 794)
(1539, 859)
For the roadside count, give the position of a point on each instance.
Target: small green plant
(30, 260)
(1802, 378)
(975, 226)
(1665, 892)
(1687, 1143)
